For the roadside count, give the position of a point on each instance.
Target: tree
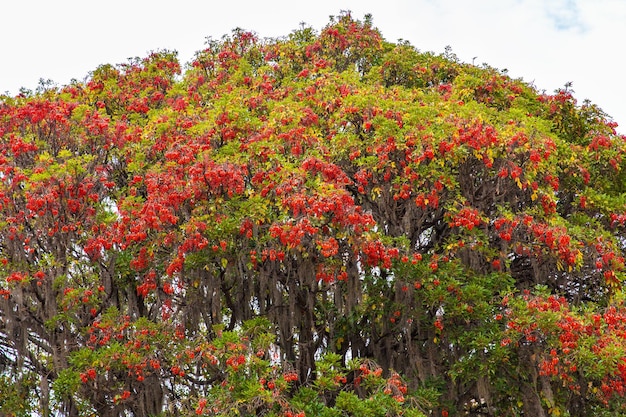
(324, 224)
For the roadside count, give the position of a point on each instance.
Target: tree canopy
(324, 224)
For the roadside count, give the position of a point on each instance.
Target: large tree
(325, 224)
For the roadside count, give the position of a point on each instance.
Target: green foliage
(15, 398)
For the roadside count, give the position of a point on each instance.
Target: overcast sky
(545, 42)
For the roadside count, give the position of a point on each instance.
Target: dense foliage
(326, 224)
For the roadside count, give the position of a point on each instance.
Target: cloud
(565, 15)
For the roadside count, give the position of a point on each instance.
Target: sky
(547, 43)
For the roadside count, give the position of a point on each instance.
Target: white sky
(546, 42)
